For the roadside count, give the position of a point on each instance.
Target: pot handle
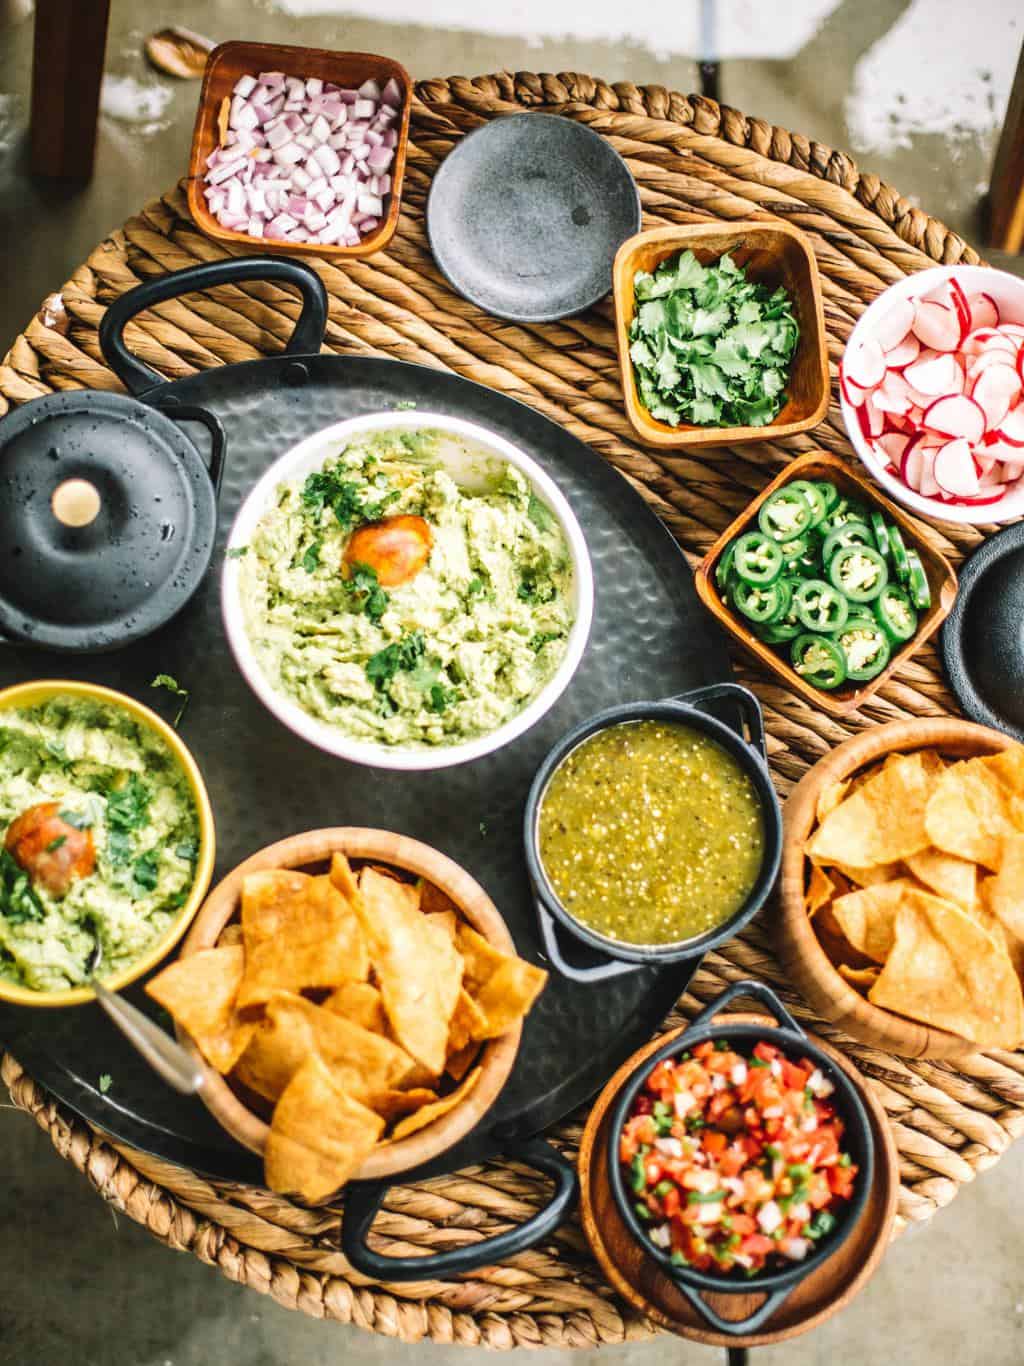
(735, 1327)
(305, 340)
(597, 969)
(748, 704)
(760, 992)
(363, 1200)
(186, 412)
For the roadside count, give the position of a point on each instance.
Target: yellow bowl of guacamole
(106, 836)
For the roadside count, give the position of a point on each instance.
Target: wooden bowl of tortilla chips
(902, 888)
(356, 1003)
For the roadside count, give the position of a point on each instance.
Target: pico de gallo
(736, 1161)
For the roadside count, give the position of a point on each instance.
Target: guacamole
(390, 602)
(98, 841)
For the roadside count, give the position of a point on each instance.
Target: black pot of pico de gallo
(740, 1157)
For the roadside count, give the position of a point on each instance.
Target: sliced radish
(1000, 341)
(956, 416)
(929, 484)
(872, 418)
(910, 466)
(892, 445)
(853, 393)
(1011, 431)
(987, 358)
(963, 309)
(893, 394)
(995, 474)
(984, 312)
(995, 389)
(904, 354)
(864, 365)
(892, 330)
(992, 494)
(939, 376)
(937, 325)
(955, 471)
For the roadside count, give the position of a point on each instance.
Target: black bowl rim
(854, 1115)
(671, 708)
(954, 658)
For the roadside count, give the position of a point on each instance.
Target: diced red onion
(304, 160)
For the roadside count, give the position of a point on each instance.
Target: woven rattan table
(693, 160)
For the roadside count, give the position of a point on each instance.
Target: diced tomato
(756, 1245)
(714, 1142)
(744, 1224)
(767, 1052)
(794, 1077)
(671, 1202)
(663, 1077)
(840, 1180)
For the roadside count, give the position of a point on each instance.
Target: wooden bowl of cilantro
(721, 333)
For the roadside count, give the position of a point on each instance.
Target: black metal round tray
(651, 638)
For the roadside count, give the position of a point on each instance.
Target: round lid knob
(107, 520)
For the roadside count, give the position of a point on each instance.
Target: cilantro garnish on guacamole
(709, 346)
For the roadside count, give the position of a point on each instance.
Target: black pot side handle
(736, 1327)
(363, 1199)
(750, 708)
(750, 989)
(185, 412)
(305, 340)
(590, 966)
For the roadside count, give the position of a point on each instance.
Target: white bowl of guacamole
(407, 590)
(106, 839)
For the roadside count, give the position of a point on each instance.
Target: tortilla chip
(417, 966)
(361, 1063)
(230, 934)
(361, 1003)
(834, 942)
(435, 902)
(394, 1104)
(421, 1118)
(200, 993)
(820, 889)
(949, 876)
(830, 797)
(1003, 897)
(946, 971)
(300, 933)
(343, 878)
(458, 1064)
(445, 920)
(503, 986)
(468, 1023)
(861, 978)
(881, 822)
(868, 917)
(976, 804)
(319, 1135)
(869, 877)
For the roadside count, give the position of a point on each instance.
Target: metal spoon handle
(164, 1054)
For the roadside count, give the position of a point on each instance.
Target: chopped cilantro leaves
(362, 582)
(328, 489)
(106, 1081)
(440, 698)
(173, 686)
(539, 514)
(237, 552)
(710, 346)
(127, 810)
(401, 654)
(146, 870)
(18, 902)
(534, 589)
(311, 559)
(55, 844)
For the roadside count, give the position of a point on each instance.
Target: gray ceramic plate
(526, 214)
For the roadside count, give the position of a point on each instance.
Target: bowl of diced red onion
(932, 393)
(300, 150)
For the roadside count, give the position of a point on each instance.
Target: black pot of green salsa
(652, 833)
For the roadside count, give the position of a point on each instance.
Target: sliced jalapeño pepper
(813, 496)
(762, 603)
(898, 550)
(858, 572)
(758, 559)
(895, 613)
(785, 514)
(865, 648)
(880, 532)
(724, 566)
(917, 582)
(819, 606)
(845, 510)
(850, 533)
(794, 551)
(829, 494)
(819, 661)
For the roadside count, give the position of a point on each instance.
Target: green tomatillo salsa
(392, 603)
(651, 833)
(98, 841)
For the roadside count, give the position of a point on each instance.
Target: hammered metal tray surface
(650, 638)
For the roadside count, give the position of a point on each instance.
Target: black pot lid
(983, 636)
(107, 521)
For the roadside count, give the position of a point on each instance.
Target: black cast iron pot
(857, 1141)
(577, 951)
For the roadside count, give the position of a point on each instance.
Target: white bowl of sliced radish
(932, 393)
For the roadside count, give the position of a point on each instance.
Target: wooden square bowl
(941, 581)
(347, 69)
(808, 967)
(773, 254)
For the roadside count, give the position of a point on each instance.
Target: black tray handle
(186, 412)
(748, 704)
(363, 1200)
(736, 1327)
(305, 340)
(598, 971)
(760, 992)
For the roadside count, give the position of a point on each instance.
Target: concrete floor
(916, 90)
